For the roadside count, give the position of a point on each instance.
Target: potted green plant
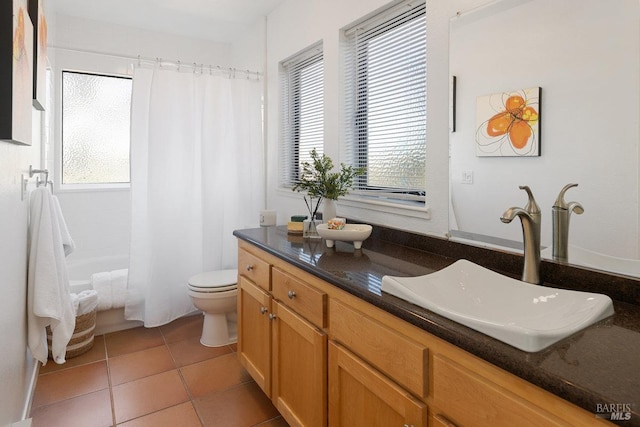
(320, 183)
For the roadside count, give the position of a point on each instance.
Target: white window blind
(302, 112)
(385, 89)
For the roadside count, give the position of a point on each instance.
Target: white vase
(328, 209)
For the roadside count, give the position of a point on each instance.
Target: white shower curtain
(197, 173)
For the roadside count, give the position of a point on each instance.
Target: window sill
(371, 204)
(398, 208)
(91, 188)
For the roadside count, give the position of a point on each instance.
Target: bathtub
(80, 272)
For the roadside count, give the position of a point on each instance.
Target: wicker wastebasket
(82, 338)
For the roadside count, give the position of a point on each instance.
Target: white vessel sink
(591, 259)
(526, 316)
(356, 233)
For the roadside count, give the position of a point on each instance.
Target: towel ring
(33, 171)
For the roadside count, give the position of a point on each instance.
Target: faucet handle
(531, 206)
(562, 204)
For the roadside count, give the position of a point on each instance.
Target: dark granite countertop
(597, 366)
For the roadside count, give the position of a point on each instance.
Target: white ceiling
(216, 20)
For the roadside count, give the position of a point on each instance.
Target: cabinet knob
(249, 267)
(291, 294)
(263, 310)
(272, 316)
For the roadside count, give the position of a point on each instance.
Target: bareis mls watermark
(614, 411)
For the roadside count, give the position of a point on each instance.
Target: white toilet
(215, 292)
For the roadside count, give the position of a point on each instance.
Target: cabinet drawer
(257, 270)
(307, 301)
(466, 398)
(401, 358)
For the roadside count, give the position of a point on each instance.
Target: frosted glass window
(385, 101)
(96, 116)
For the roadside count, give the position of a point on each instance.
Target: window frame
(290, 108)
(356, 148)
(82, 61)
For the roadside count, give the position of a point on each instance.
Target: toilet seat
(214, 281)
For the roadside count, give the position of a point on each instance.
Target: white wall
(298, 24)
(16, 364)
(82, 34)
(248, 51)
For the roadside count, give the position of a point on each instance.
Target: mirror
(585, 57)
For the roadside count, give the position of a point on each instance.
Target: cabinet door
(299, 369)
(361, 396)
(254, 332)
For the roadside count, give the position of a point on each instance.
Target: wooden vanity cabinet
(280, 344)
(328, 357)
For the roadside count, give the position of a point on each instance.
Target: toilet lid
(214, 281)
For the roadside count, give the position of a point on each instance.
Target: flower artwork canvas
(508, 124)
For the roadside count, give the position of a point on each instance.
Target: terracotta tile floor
(152, 377)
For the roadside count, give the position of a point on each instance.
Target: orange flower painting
(509, 124)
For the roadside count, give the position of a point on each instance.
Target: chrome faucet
(561, 213)
(530, 217)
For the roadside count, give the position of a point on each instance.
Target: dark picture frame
(36, 12)
(16, 72)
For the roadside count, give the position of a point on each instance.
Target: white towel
(87, 301)
(111, 287)
(48, 298)
(67, 242)
(75, 302)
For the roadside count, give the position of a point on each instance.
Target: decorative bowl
(356, 233)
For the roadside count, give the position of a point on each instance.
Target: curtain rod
(201, 67)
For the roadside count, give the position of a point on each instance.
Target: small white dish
(356, 233)
(528, 317)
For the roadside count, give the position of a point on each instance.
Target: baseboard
(31, 389)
